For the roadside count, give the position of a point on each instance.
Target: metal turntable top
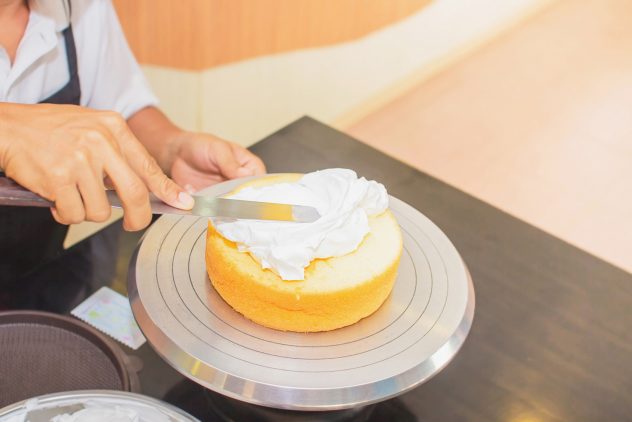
(415, 333)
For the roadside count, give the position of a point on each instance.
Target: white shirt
(109, 75)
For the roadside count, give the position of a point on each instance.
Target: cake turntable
(415, 334)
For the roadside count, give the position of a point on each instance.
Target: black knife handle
(15, 195)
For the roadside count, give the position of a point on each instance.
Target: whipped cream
(344, 202)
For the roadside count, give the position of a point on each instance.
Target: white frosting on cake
(344, 202)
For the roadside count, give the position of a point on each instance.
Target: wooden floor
(537, 123)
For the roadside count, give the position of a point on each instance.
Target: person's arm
(193, 160)
(67, 154)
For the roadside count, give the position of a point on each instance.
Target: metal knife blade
(206, 206)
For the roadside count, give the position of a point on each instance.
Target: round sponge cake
(336, 292)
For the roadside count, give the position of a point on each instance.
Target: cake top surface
(344, 202)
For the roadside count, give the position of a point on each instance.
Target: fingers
(67, 152)
(133, 173)
(248, 161)
(146, 167)
(202, 160)
(95, 158)
(92, 190)
(131, 190)
(86, 201)
(68, 205)
(227, 162)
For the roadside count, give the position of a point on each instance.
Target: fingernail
(244, 171)
(189, 188)
(186, 200)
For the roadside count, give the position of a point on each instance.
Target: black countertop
(552, 332)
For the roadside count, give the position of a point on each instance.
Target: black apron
(30, 238)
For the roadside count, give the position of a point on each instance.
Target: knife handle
(15, 195)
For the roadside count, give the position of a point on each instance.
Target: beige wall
(246, 95)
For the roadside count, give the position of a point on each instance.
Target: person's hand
(193, 160)
(201, 160)
(68, 154)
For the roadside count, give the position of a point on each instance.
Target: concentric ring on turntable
(415, 333)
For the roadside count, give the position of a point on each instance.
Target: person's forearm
(157, 133)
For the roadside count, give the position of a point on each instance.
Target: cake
(308, 277)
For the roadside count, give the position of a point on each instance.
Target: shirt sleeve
(111, 79)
